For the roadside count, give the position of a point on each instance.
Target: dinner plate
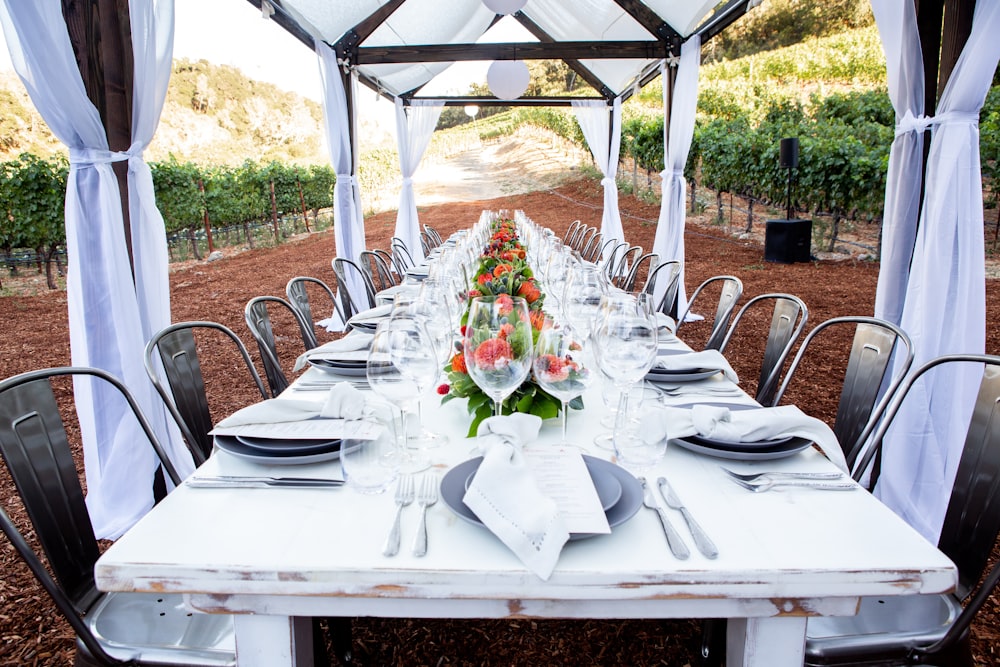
(231, 445)
(368, 320)
(736, 445)
(629, 502)
(339, 367)
(794, 446)
(692, 375)
(284, 447)
(609, 489)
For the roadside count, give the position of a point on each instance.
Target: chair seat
(152, 628)
(891, 624)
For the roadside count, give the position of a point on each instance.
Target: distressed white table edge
(766, 593)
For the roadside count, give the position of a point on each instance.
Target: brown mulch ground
(35, 335)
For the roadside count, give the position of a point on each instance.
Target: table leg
(760, 642)
(273, 641)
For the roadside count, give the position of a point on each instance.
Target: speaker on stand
(788, 240)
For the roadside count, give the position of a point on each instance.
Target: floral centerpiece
(502, 270)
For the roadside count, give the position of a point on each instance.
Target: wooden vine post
(274, 215)
(208, 227)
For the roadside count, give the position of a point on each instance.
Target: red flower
(555, 369)
(483, 278)
(443, 389)
(493, 354)
(505, 304)
(505, 331)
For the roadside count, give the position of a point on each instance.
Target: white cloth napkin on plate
(505, 495)
(755, 425)
(342, 402)
(376, 313)
(708, 359)
(353, 342)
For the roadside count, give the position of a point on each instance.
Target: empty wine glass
(581, 299)
(498, 346)
(560, 366)
(625, 341)
(398, 362)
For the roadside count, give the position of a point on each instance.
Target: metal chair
(591, 248)
(110, 628)
(259, 322)
(297, 291)
(917, 629)
(434, 235)
(730, 291)
(352, 303)
(873, 345)
(401, 257)
(182, 386)
(609, 258)
(788, 319)
(584, 239)
(378, 270)
(668, 273)
(649, 261)
(571, 231)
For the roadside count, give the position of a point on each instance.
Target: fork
(404, 496)
(755, 476)
(767, 484)
(427, 496)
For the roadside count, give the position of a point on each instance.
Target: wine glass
(498, 346)
(433, 316)
(561, 367)
(397, 361)
(625, 341)
(582, 296)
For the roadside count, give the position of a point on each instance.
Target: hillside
(213, 114)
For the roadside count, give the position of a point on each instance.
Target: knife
(674, 540)
(228, 481)
(701, 539)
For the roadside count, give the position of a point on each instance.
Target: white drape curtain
(668, 243)
(602, 128)
(414, 127)
(348, 216)
(897, 24)
(110, 315)
(945, 301)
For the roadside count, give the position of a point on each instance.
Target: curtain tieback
(668, 173)
(609, 182)
(911, 123)
(88, 157)
(346, 179)
(407, 182)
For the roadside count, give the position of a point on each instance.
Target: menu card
(563, 476)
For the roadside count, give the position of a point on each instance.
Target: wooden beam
(573, 64)
(930, 14)
(722, 19)
(290, 25)
(433, 53)
(652, 22)
(955, 33)
(362, 31)
(539, 101)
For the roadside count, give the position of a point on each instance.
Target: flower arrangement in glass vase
(504, 274)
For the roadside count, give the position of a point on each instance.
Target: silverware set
(677, 546)
(765, 481)
(425, 493)
(245, 482)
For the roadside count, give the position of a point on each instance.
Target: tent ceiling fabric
(398, 46)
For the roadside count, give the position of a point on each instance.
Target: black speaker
(790, 153)
(788, 241)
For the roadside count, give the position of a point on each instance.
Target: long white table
(277, 556)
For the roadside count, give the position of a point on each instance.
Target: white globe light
(471, 110)
(508, 79)
(505, 6)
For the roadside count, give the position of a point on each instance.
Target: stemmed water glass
(498, 346)
(625, 341)
(561, 367)
(401, 365)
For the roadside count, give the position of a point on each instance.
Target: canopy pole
(99, 31)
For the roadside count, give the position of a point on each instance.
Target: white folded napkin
(342, 402)
(376, 313)
(708, 359)
(755, 425)
(356, 340)
(505, 495)
(664, 320)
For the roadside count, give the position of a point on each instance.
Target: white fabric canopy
(897, 24)
(945, 301)
(668, 243)
(414, 128)
(602, 128)
(348, 216)
(110, 315)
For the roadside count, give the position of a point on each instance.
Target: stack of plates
(352, 367)
(368, 320)
(743, 451)
(276, 451)
(620, 493)
(656, 374)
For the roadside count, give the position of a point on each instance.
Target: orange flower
(458, 363)
(502, 269)
(538, 320)
(529, 291)
(505, 331)
(505, 304)
(483, 278)
(493, 354)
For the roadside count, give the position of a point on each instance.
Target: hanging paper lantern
(508, 79)
(505, 6)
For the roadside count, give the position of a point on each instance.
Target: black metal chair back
(182, 386)
(351, 304)
(259, 322)
(669, 274)
(297, 291)
(730, 291)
